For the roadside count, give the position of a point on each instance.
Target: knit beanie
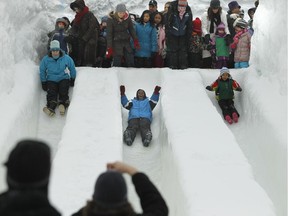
(182, 3)
(233, 4)
(215, 4)
(224, 70)
(120, 8)
(54, 45)
(29, 165)
(153, 2)
(78, 4)
(197, 25)
(241, 23)
(221, 26)
(110, 190)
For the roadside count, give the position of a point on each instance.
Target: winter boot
(148, 138)
(49, 111)
(127, 138)
(235, 117)
(62, 109)
(228, 119)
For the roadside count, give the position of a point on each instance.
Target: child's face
(152, 8)
(215, 10)
(157, 18)
(61, 25)
(146, 17)
(221, 31)
(237, 29)
(166, 7)
(236, 10)
(225, 76)
(120, 14)
(140, 94)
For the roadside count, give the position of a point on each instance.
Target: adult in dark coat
(120, 30)
(84, 35)
(178, 31)
(28, 170)
(110, 194)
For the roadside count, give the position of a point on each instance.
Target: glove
(207, 39)
(136, 44)
(122, 90)
(109, 53)
(209, 88)
(238, 89)
(157, 89)
(228, 39)
(44, 86)
(72, 81)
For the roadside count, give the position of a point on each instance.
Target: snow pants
(141, 124)
(128, 62)
(227, 107)
(143, 62)
(57, 90)
(177, 52)
(195, 60)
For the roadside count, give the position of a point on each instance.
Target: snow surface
(201, 165)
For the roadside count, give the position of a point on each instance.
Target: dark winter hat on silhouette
(197, 25)
(120, 8)
(110, 190)
(233, 4)
(153, 2)
(29, 165)
(78, 4)
(215, 4)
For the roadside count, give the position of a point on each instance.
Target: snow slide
(198, 170)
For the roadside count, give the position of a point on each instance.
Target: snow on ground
(201, 165)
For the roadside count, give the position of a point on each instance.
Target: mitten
(209, 88)
(157, 89)
(109, 53)
(207, 39)
(238, 89)
(122, 90)
(136, 44)
(72, 81)
(44, 86)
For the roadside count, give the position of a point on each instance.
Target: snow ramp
(193, 159)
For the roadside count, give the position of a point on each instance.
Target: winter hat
(29, 165)
(120, 8)
(233, 4)
(153, 2)
(64, 21)
(221, 26)
(215, 4)
(241, 23)
(251, 11)
(182, 3)
(224, 70)
(54, 45)
(110, 190)
(78, 4)
(104, 19)
(197, 25)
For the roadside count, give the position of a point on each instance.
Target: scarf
(80, 15)
(236, 38)
(215, 19)
(181, 11)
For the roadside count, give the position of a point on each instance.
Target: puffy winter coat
(242, 51)
(57, 69)
(176, 26)
(224, 89)
(119, 34)
(26, 203)
(147, 37)
(140, 108)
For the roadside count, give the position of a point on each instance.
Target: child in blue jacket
(140, 115)
(57, 73)
(147, 36)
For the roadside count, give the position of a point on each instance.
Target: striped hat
(224, 70)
